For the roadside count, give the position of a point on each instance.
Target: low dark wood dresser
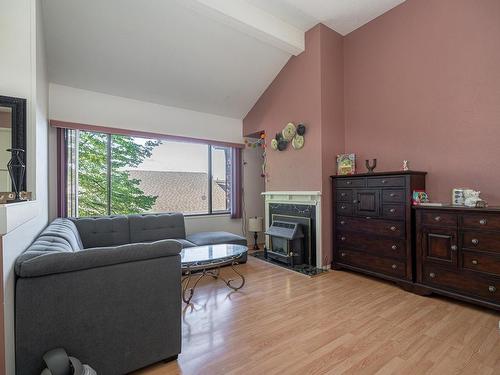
(458, 253)
(372, 223)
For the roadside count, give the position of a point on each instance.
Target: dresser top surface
(495, 209)
(375, 174)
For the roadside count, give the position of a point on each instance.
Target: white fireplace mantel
(13, 215)
(309, 197)
(312, 198)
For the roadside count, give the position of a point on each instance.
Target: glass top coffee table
(208, 260)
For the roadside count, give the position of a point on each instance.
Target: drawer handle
(454, 247)
(394, 266)
(394, 247)
(492, 289)
(384, 181)
(392, 210)
(432, 275)
(437, 218)
(343, 254)
(343, 207)
(348, 182)
(393, 228)
(475, 241)
(483, 221)
(392, 195)
(342, 238)
(474, 261)
(342, 194)
(342, 222)
(355, 201)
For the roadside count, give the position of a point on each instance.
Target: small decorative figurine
(405, 165)
(472, 199)
(371, 166)
(419, 196)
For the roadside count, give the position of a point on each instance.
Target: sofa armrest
(60, 262)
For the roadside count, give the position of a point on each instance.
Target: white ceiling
(171, 52)
(342, 16)
(157, 51)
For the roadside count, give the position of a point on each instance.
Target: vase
(17, 169)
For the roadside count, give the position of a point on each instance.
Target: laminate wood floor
(337, 323)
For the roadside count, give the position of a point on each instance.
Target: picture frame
(346, 164)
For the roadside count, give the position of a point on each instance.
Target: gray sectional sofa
(106, 289)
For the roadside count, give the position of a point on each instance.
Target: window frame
(210, 149)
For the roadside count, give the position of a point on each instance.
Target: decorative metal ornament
(298, 142)
(405, 165)
(371, 166)
(282, 145)
(17, 169)
(301, 129)
(289, 131)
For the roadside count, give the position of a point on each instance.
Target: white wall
(92, 108)
(23, 74)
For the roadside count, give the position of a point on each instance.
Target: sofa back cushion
(103, 231)
(155, 227)
(60, 236)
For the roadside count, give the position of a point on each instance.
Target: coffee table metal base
(214, 271)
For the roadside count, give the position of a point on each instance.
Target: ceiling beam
(253, 21)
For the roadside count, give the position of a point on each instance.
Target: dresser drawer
(371, 226)
(482, 241)
(344, 196)
(386, 181)
(350, 182)
(374, 263)
(481, 262)
(479, 221)
(393, 195)
(393, 211)
(467, 283)
(394, 248)
(439, 218)
(344, 208)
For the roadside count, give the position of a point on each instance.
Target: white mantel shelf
(291, 193)
(312, 197)
(13, 215)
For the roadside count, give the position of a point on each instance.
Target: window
(109, 174)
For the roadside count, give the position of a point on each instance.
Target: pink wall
(293, 96)
(332, 120)
(422, 82)
(309, 89)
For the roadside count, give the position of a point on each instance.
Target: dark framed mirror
(12, 135)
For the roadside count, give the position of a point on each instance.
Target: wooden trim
(142, 134)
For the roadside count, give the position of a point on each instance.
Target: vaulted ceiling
(214, 56)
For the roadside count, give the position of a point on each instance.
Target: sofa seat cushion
(214, 238)
(103, 231)
(154, 227)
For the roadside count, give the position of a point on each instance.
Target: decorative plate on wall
(274, 144)
(298, 142)
(289, 131)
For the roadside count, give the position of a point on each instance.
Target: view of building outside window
(116, 174)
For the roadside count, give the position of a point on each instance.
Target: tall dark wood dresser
(372, 223)
(458, 253)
